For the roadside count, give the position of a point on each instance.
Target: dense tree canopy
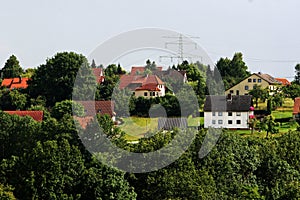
(55, 79)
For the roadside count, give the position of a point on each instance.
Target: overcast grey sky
(265, 31)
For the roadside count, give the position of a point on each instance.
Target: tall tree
(11, 68)
(55, 79)
(297, 76)
(232, 71)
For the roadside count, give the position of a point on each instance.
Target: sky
(266, 31)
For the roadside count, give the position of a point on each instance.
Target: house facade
(147, 86)
(232, 112)
(256, 79)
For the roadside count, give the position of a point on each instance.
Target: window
(230, 114)
(133, 93)
(246, 87)
(249, 80)
(214, 113)
(145, 94)
(237, 92)
(238, 121)
(220, 121)
(259, 80)
(254, 80)
(213, 121)
(254, 86)
(231, 92)
(152, 94)
(238, 114)
(229, 121)
(220, 114)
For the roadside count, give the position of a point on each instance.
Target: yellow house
(264, 80)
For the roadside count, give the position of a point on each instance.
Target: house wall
(241, 86)
(224, 116)
(141, 93)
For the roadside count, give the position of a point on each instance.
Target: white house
(231, 112)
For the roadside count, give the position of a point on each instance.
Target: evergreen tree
(12, 68)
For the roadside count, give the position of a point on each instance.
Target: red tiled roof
(284, 81)
(141, 69)
(15, 83)
(296, 109)
(148, 87)
(93, 107)
(36, 115)
(152, 79)
(139, 82)
(98, 72)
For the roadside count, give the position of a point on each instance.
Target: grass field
(137, 127)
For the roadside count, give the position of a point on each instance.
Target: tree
(292, 90)
(232, 71)
(12, 68)
(259, 93)
(13, 100)
(55, 79)
(67, 107)
(269, 125)
(297, 76)
(93, 65)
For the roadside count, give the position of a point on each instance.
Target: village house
(256, 79)
(147, 86)
(91, 108)
(231, 111)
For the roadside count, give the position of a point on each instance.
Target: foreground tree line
(47, 160)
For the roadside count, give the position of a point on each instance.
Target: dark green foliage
(67, 107)
(55, 79)
(47, 161)
(232, 71)
(12, 100)
(12, 68)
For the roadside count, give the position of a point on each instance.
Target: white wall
(208, 120)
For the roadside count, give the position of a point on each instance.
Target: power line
(180, 42)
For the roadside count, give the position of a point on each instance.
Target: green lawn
(137, 127)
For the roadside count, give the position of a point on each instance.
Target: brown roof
(15, 83)
(270, 79)
(141, 69)
(296, 109)
(36, 115)
(94, 107)
(284, 81)
(98, 72)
